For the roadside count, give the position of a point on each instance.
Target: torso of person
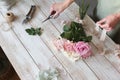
(107, 7)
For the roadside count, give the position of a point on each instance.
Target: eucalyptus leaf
(50, 74)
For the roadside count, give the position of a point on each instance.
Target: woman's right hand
(60, 7)
(109, 22)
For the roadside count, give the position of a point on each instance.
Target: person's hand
(60, 7)
(108, 23)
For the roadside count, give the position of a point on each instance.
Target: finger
(108, 29)
(51, 9)
(56, 15)
(103, 25)
(101, 21)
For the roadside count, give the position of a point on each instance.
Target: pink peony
(83, 49)
(68, 46)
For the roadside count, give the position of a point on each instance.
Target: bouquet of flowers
(74, 42)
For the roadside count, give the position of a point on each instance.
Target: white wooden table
(31, 54)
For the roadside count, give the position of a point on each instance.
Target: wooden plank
(22, 61)
(106, 61)
(109, 45)
(80, 70)
(54, 35)
(34, 45)
(108, 42)
(47, 41)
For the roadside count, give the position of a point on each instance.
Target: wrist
(68, 2)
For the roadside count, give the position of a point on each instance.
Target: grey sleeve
(93, 4)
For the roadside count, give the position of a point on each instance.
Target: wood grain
(31, 54)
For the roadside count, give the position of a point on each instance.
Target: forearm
(68, 2)
(60, 7)
(117, 15)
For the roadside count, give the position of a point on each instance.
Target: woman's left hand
(108, 23)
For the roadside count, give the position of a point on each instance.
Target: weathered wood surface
(31, 54)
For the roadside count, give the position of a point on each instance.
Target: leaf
(30, 31)
(66, 28)
(75, 33)
(89, 38)
(38, 31)
(33, 31)
(83, 9)
(67, 35)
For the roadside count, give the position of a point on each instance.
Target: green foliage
(75, 32)
(33, 31)
(83, 9)
(66, 28)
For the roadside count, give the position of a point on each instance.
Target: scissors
(50, 16)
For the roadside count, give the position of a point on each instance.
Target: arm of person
(108, 23)
(60, 7)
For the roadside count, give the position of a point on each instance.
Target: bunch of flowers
(74, 41)
(74, 51)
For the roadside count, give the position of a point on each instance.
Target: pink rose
(59, 43)
(68, 46)
(83, 49)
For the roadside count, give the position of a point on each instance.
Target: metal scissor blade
(24, 21)
(27, 19)
(45, 20)
(49, 17)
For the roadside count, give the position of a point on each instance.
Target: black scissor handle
(53, 12)
(32, 10)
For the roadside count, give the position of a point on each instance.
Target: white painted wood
(96, 63)
(36, 48)
(61, 57)
(110, 46)
(104, 75)
(31, 54)
(48, 41)
(108, 42)
(18, 56)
